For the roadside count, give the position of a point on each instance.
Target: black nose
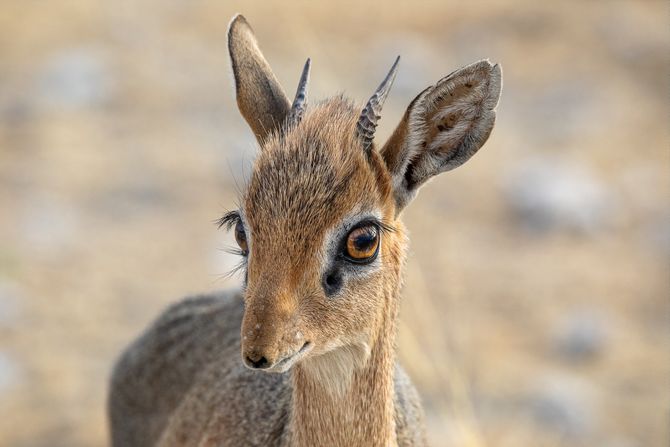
(258, 363)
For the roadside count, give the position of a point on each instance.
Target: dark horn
(367, 123)
(300, 101)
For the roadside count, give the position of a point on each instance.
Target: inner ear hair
(443, 127)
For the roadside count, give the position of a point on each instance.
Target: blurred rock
(582, 336)
(548, 194)
(564, 405)
(76, 77)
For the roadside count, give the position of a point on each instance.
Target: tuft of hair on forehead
(331, 122)
(314, 171)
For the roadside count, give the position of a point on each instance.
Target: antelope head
(318, 227)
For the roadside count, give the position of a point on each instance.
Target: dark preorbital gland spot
(441, 127)
(332, 282)
(468, 85)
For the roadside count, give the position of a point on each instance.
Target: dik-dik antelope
(323, 248)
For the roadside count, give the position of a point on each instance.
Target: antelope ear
(442, 128)
(260, 98)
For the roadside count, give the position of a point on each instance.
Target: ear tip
(494, 73)
(484, 64)
(496, 70)
(236, 23)
(237, 18)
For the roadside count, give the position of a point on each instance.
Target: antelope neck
(346, 397)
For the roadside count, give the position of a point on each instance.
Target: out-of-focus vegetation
(536, 308)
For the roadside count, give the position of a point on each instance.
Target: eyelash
(383, 227)
(229, 220)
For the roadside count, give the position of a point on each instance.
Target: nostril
(259, 363)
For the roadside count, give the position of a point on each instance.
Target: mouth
(285, 364)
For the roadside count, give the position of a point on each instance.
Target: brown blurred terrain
(537, 302)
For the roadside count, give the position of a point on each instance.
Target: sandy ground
(536, 307)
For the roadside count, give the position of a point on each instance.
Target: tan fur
(336, 381)
(254, 79)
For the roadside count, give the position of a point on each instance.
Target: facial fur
(308, 188)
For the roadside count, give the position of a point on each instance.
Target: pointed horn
(300, 101)
(367, 123)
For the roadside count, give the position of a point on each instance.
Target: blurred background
(537, 303)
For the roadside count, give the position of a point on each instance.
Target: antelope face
(318, 225)
(317, 232)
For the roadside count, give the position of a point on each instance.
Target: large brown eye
(362, 243)
(241, 237)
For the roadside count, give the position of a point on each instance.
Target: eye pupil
(364, 241)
